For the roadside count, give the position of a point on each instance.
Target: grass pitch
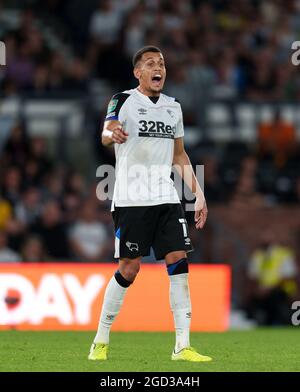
(261, 350)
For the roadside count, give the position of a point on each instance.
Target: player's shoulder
(116, 103)
(122, 96)
(170, 100)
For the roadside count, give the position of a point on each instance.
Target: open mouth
(156, 79)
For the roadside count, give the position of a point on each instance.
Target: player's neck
(148, 93)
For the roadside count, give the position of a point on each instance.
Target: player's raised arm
(112, 130)
(113, 133)
(183, 163)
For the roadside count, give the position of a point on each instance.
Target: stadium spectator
(5, 213)
(277, 140)
(16, 232)
(76, 184)
(245, 195)
(11, 186)
(40, 83)
(134, 31)
(7, 255)
(53, 185)
(52, 231)
(29, 207)
(227, 77)
(272, 272)
(71, 205)
(88, 236)
(21, 68)
(262, 78)
(200, 72)
(31, 173)
(105, 24)
(178, 85)
(57, 72)
(38, 153)
(78, 76)
(16, 148)
(33, 250)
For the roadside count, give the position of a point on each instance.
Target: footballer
(146, 129)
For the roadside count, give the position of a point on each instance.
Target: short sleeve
(114, 106)
(179, 126)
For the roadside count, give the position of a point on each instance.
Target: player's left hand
(200, 213)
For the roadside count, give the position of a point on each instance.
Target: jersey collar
(146, 98)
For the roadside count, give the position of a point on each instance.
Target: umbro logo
(132, 246)
(142, 111)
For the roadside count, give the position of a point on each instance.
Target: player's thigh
(172, 234)
(134, 227)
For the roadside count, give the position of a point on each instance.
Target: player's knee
(175, 256)
(179, 267)
(130, 270)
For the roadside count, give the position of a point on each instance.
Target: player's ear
(137, 72)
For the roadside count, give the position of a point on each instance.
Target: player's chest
(151, 122)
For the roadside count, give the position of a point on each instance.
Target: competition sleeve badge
(112, 105)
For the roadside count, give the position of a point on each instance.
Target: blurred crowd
(228, 49)
(50, 212)
(264, 173)
(47, 211)
(33, 67)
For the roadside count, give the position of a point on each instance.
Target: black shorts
(162, 227)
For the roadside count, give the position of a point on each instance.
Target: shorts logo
(132, 246)
(189, 315)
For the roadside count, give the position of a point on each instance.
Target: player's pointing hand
(119, 136)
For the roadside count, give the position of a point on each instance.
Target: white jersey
(144, 161)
